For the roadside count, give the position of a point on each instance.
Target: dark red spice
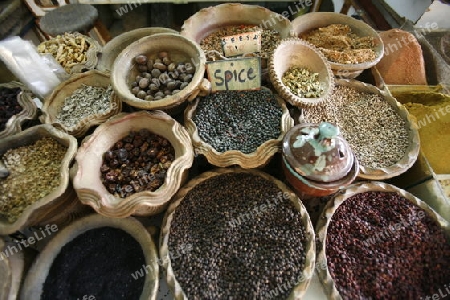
(381, 246)
(97, 263)
(8, 105)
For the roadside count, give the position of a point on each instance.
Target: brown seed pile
(248, 241)
(381, 246)
(136, 163)
(269, 38)
(375, 131)
(160, 77)
(340, 45)
(34, 172)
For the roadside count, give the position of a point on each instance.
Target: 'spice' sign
(238, 44)
(235, 74)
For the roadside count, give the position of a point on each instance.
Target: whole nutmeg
(144, 83)
(141, 94)
(141, 59)
(171, 67)
(148, 98)
(190, 69)
(171, 85)
(135, 90)
(155, 73)
(166, 60)
(160, 66)
(150, 63)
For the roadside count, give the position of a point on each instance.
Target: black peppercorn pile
(381, 246)
(96, 263)
(238, 120)
(237, 256)
(136, 163)
(8, 105)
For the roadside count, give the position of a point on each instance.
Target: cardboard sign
(235, 74)
(238, 44)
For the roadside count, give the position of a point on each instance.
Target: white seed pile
(375, 131)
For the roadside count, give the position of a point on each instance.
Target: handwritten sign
(238, 44)
(235, 74)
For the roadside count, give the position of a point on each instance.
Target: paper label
(235, 74)
(242, 43)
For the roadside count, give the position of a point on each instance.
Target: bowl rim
(338, 18)
(298, 290)
(192, 89)
(258, 158)
(83, 125)
(412, 152)
(105, 203)
(331, 207)
(106, 61)
(35, 279)
(284, 91)
(44, 130)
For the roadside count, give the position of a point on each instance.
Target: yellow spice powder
(432, 114)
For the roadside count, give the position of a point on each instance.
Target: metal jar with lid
(317, 160)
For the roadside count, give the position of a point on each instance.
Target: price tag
(235, 74)
(238, 44)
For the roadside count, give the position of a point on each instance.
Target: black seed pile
(97, 263)
(8, 105)
(247, 240)
(238, 120)
(381, 246)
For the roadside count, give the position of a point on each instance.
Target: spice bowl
(315, 85)
(369, 145)
(58, 47)
(131, 237)
(177, 49)
(56, 102)
(28, 109)
(113, 48)
(314, 20)
(11, 267)
(224, 226)
(405, 219)
(32, 214)
(258, 158)
(88, 177)
(211, 19)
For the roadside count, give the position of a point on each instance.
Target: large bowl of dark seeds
(350, 45)
(379, 129)
(34, 175)
(243, 235)
(160, 71)
(16, 106)
(133, 164)
(11, 271)
(98, 258)
(82, 101)
(242, 128)
(113, 48)
(381, 242)
(300, 73)
(209, 25)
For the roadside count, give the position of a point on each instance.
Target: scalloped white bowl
(87, 181)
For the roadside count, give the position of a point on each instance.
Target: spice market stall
(245, 156)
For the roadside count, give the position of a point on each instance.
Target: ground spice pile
(339, 44)
(377, 134)
(35, 171)
(432, 113)
(247, 240)
(381, 246)
(97, 263)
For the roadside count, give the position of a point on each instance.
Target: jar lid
(318, 152)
